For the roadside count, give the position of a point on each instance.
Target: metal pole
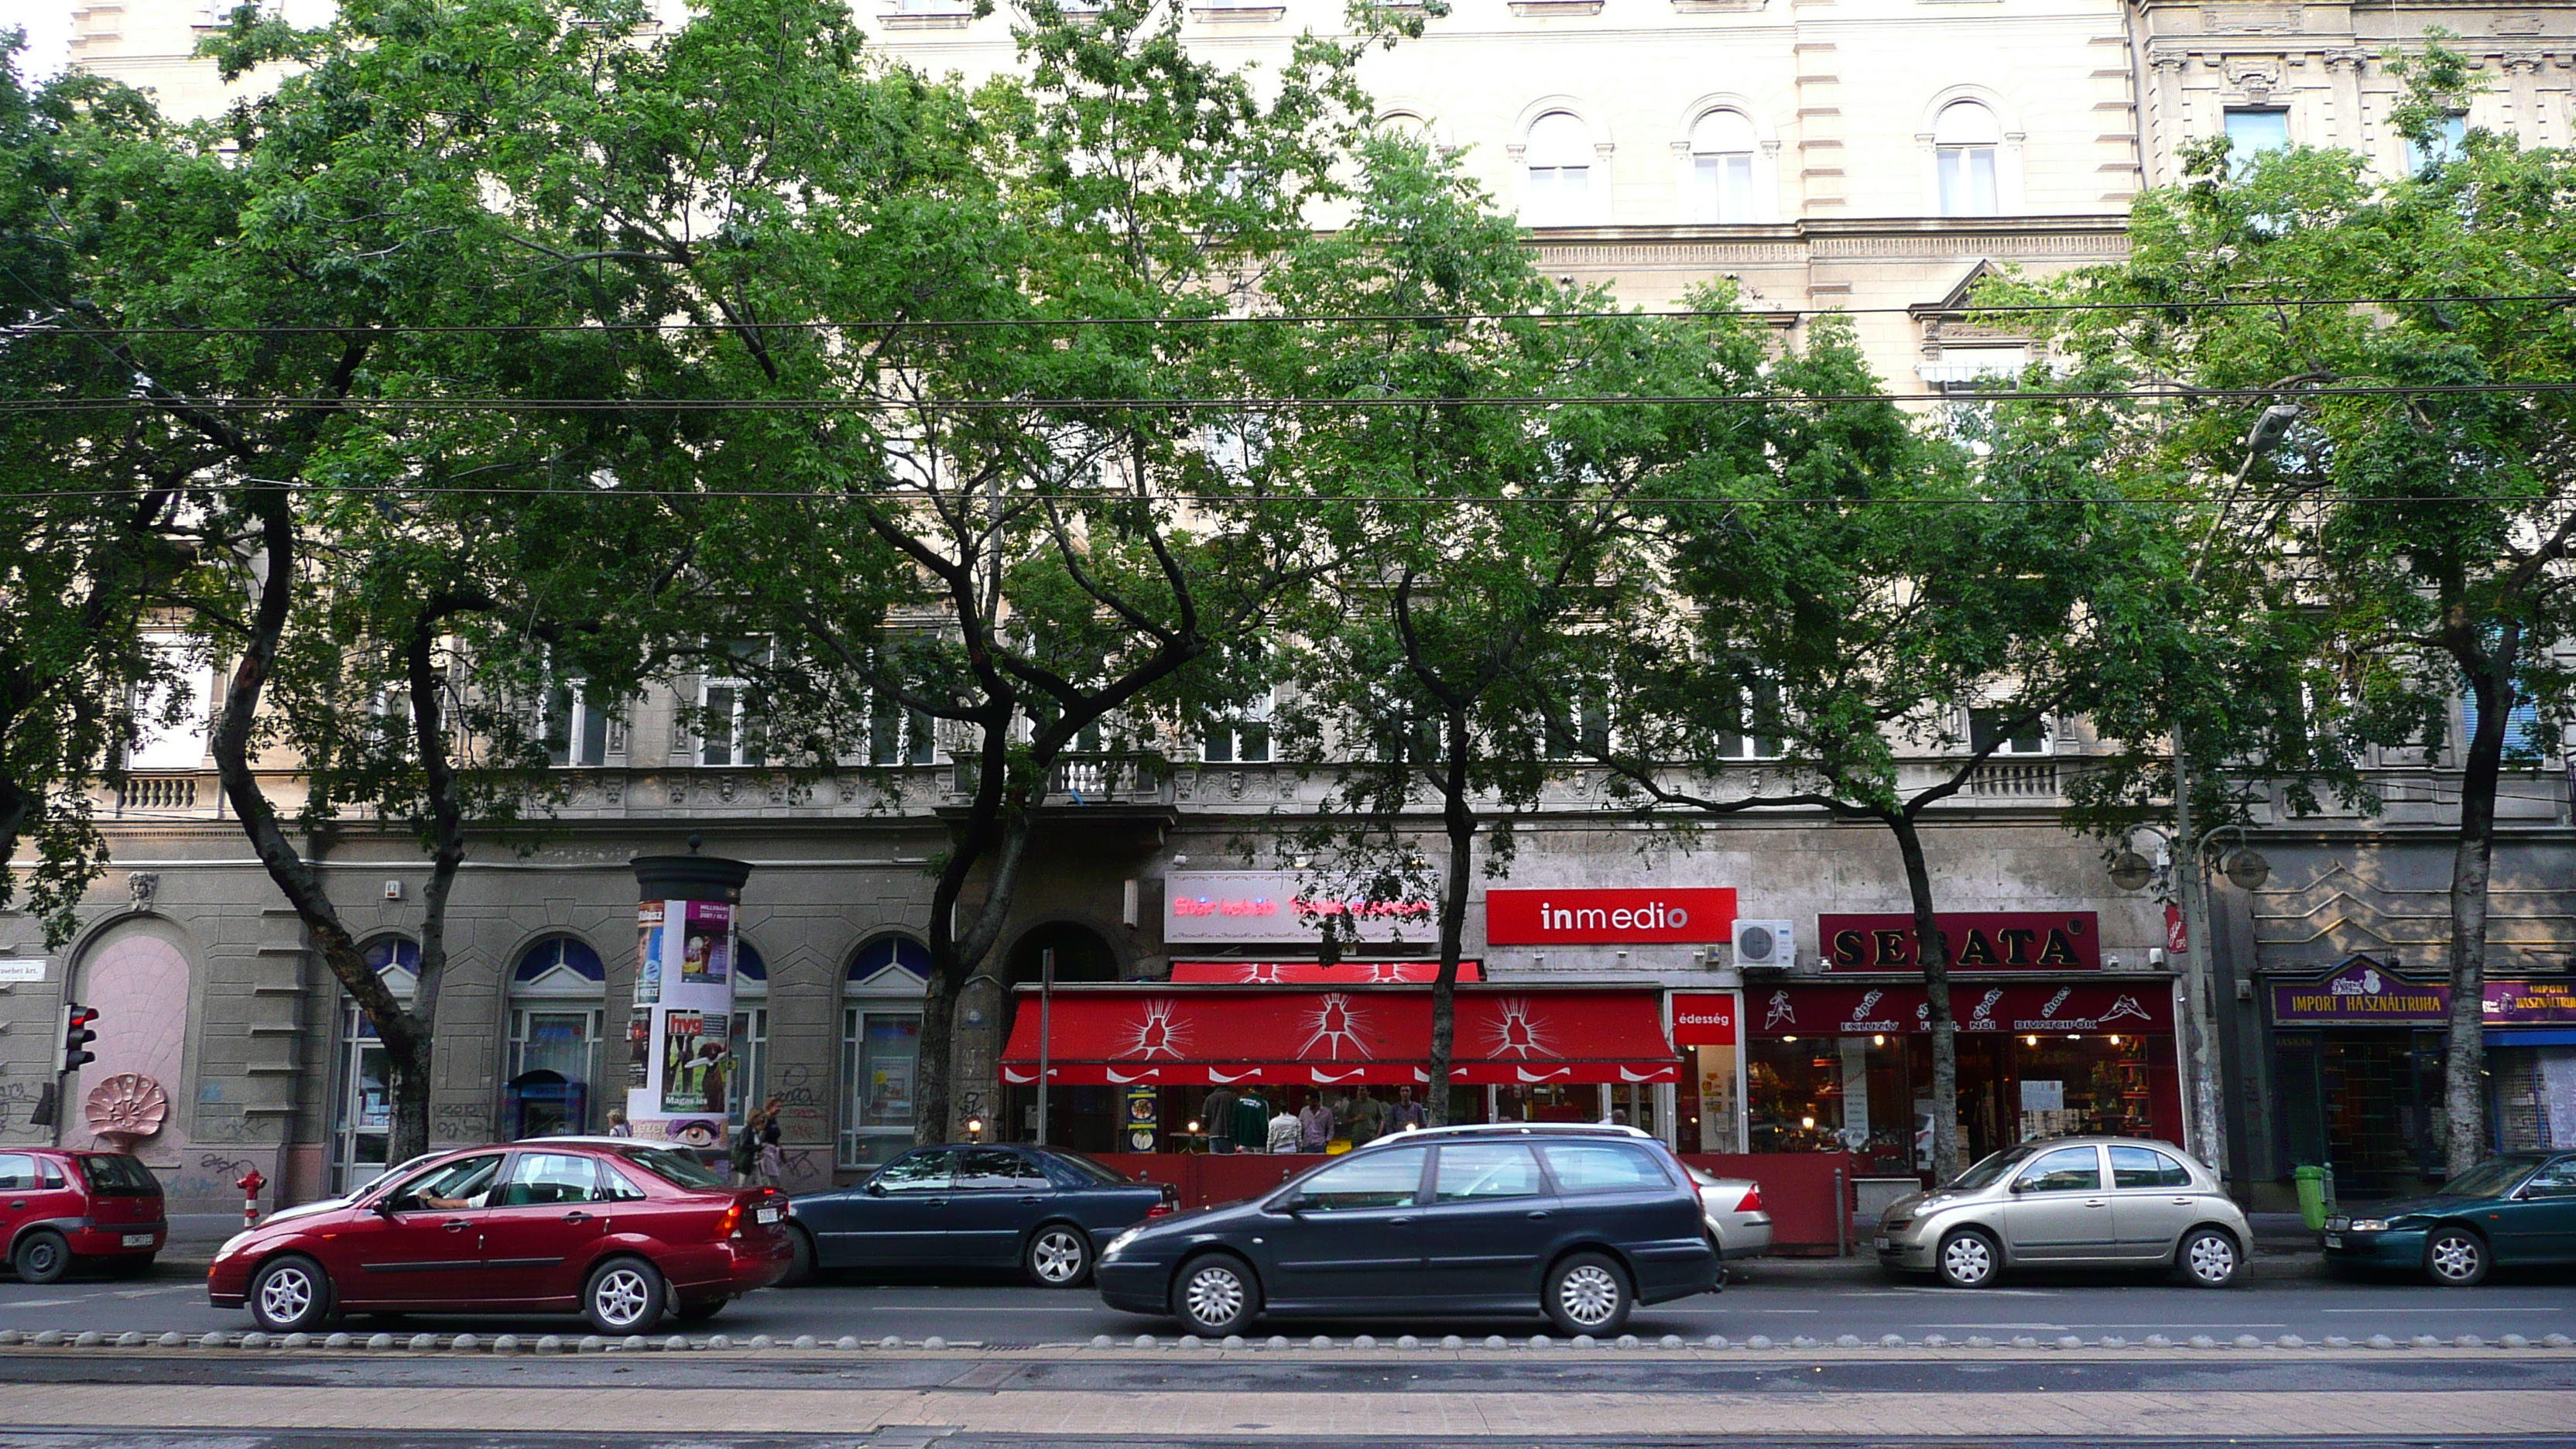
(2206, 1127)
(1046, 1033)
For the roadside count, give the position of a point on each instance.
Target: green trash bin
(2312, 1196)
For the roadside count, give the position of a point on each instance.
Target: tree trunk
(2472, 862)
(295, 878)
(997, 828)
(1932, 956)
(1458, 820)
(410, 1084)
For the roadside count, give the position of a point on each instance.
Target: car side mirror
(2020, 1184)
(383, 1207)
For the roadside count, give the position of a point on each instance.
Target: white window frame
(1565, 187)
(581, 719)
(1705, 170)
(736, 715)
(891, 1139)
(2241, 152)
(1954, 150)
(2008, 750)
(1243, 737)
(181, 747)
(1747, 745)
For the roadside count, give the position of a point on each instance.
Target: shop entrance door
(2366, 1102)
(362, 1119)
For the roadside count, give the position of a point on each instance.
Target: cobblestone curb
(1845, 1347)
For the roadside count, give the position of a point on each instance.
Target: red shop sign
(1684, 916)
(1703, 1018)
(2145, 1007)
(1978, 941)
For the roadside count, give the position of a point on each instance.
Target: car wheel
(43, 1257)
(2209, 1258)
(1216, 1295)
(800, 1262)
(1586, 1293)
(290, 1294)
(1059, 1256)
(700, 1312)
(2455, 1257)
(1967, 1259)
(624, 1296)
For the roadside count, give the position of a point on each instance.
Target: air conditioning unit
(1765, 945)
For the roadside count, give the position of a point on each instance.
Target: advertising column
(680, 1065)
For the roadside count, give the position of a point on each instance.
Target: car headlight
(2368, 1225)
(1119, 1244)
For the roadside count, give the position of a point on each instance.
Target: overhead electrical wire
(294, 403)
(1755, 313)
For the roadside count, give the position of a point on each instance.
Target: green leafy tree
(2385, 412)
(1864, 622)
(1486, 540)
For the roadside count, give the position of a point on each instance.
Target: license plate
(766, 1215)
(2334, 1240)
(138, 1240)
(1883, 1244)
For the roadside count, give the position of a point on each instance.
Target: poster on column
(680, 1072)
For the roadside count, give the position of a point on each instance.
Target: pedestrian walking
(773, 1152)
(618, 1126)
(746, 1152)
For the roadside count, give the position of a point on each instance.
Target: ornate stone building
(1868, 156)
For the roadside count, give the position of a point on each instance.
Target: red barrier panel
(1798, 1190)
(1204, 1179)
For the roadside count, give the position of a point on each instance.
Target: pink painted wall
(139, 983)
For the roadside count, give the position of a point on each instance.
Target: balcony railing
(2015, 780)
(157, 792)
(1092, 779)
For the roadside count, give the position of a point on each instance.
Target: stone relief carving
(126, 1108)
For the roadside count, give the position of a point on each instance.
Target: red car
(66, 1209)
(618, 1231)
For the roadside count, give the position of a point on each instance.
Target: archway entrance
(1079, 1117)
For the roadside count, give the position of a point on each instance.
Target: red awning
(1377, 1035)
(1316, 973)
(2130, 1006)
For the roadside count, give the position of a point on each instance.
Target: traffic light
(77, 1021)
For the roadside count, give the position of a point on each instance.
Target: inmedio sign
(1690, 915)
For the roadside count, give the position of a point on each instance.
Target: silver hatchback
(2071, 1202)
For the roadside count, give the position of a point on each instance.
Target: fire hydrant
(250, 1184)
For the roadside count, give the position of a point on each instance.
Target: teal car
(2518, 1209)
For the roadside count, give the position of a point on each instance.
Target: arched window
(1407, 125)
(1964, 141)
(1721, 149)
(362, 1116)
(880, 1048)
(555, 994)
(1559, 160)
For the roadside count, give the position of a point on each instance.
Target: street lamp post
(2205, 1125)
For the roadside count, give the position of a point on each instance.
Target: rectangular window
(2443, 146)
(879, 1051)
(1753, 724)
(2521, 725)
(728, 732)
(1244, 739)
(566, 1044)
(1987, 727)
(576, 727)
(1580, 731)
(1967, 176)
(2257, 131)
(1726, 185)
(1558, 195)
(900, 736)
(170, 714)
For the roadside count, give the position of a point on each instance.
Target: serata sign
(1681, 916)
(1978, 941)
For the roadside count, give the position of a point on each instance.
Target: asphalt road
(1178, 1400)
(1782, 1299)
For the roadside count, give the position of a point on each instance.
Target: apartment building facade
(1862, 156)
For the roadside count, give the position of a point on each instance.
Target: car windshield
(1988, 1172)
(2490, 1178)
(676, 1168)
(113, 1174)
(1099, 1172)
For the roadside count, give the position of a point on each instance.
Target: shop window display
(1871, 1096)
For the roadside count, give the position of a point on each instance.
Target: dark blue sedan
(1577, 1223)
(974, 1205)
